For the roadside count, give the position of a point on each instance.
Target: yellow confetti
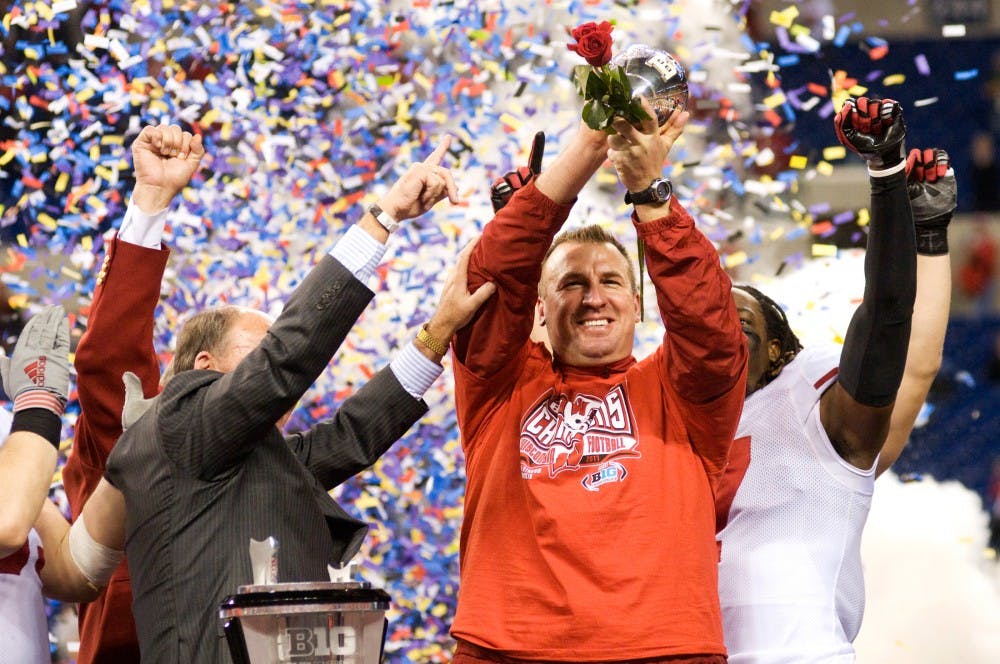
(824, 250)
(894, 79)
(834, 152)
(798, 161)
(858, 91)
(6, 157)
(786, 17)
(863, 217)
(47, 221)
(775, 100)
(72, 274)
(798, 30)
(510, 121)
(824, 168)
(22, 240)
(736, 258)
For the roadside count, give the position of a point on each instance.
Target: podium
(306, 623)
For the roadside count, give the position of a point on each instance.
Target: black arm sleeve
(871, 364)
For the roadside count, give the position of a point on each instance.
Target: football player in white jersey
(815, 420)
(36, 378)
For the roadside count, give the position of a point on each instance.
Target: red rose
(593, 42)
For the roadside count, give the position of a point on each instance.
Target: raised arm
(119, 334)
(511, 251)
(372, 419)
(36, 377)
(238, 408)
(933, 193)
(704, 350)
(856, 410)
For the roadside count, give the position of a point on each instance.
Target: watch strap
(383, 218)
(432, 342)
(649, 194)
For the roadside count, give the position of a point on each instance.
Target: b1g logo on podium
(336, 643)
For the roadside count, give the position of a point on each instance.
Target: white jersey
(24, 631)
(790, 578)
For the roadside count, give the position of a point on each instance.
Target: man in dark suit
(206, 468)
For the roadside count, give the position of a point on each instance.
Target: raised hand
(164, 159)
(930, 182)
(36, 375)
(135, 402)
(874, 129)
(638, 152)
(421, 186)
(503, 188)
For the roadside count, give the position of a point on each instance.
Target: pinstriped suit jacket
(205, 470)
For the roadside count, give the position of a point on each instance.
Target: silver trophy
(657, 76)
(316, 622)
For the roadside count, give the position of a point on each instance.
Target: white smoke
(933, 596)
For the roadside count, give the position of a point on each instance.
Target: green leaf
(626, 85)
(580, 75)
(597, 86)
(595, 115)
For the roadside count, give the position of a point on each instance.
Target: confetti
(309, 110)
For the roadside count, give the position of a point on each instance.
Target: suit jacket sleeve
(363, 429)
(209, 429)
(704, 352)
(119, 338)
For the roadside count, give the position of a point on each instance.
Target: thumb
(133, 386)
(135, 405)
(483, 293)
(197, 149)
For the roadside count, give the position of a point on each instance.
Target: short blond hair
(592, 234)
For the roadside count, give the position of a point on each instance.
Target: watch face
(662, 190)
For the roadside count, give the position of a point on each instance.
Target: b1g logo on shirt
(586, 435)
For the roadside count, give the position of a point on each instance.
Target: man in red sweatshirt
(589, 519)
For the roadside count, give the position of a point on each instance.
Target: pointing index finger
(435, 158)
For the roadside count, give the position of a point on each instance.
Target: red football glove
(874, 129)
(503, 188)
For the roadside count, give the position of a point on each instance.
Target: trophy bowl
(657, 76)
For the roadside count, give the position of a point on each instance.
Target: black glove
(503, 188)
(874, 129)
(930, 182)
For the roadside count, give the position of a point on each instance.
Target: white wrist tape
(95, 561)
(888, 171)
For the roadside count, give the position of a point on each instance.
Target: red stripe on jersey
(830, 375)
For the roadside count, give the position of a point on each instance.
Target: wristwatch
(383, 218)
(658, 191)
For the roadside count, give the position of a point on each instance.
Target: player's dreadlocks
(777, 328)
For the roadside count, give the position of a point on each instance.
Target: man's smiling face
(588, 303)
